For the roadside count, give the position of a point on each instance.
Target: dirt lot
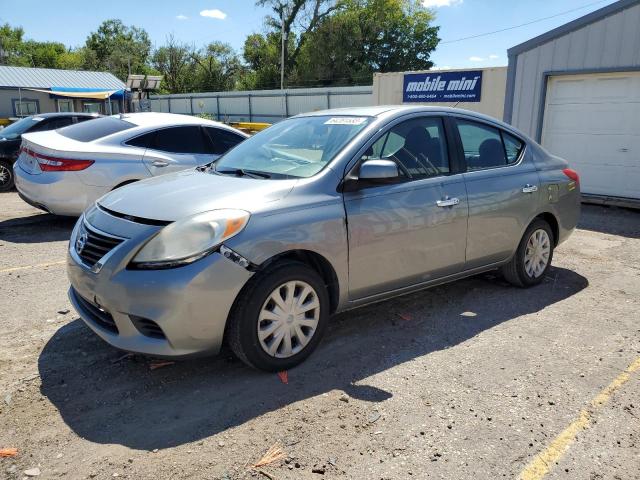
(466, 381)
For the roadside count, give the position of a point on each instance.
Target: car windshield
(16, 129)
(294, 148)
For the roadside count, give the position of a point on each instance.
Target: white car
(64, 171)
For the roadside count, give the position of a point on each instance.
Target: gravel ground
(469, 380)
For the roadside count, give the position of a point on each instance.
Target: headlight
(189, 239)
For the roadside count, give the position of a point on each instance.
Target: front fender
(320, 228)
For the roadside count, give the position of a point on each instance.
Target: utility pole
(282, 50)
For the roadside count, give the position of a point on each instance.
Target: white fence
(262, 105)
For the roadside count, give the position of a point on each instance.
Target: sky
(202, 21)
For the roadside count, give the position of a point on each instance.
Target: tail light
(56, 164)
(572, 174)
(52, 164)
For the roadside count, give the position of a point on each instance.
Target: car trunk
(45, 145)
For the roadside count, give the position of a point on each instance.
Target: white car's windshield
(294, 148)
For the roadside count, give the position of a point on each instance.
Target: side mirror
(378, 170)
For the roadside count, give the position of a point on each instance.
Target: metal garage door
(593, 121)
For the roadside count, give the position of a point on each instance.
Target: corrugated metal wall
(387, 90)
(262, 105)
(610, 43)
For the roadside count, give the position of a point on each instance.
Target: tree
(218, 67)
(119, 49)
(10, 42)
(175, 62)
(295, 19)
(42, 54)
(262, 56)
(368, 36)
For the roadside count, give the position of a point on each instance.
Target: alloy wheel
(537, 252)
(288, 319)
(5, 175)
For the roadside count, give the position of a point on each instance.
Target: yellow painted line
(545, 460)
(27, 267)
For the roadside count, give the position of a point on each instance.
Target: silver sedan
(64, 171)
(319, 213)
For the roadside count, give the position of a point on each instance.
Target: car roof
(152, 119)
(385, 110)
(66, 114)
(392, 111)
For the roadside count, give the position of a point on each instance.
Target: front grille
(91, 246)
(97, 315)
(147, 327)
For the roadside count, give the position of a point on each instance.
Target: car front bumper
(168, 313)
(60, 193)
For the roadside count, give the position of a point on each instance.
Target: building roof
(572, 26)
(25, 77)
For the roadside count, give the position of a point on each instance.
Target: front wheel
(533, 258)
(279, 318)
(6, 176)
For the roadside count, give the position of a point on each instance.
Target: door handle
(529, 188)
(448, 202)
(160, 163)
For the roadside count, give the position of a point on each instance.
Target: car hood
(177, 195)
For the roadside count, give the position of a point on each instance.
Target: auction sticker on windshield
(346, 121)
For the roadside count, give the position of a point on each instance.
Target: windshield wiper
(240, 172)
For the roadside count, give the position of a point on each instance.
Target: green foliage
(328, 42)
(368, 36)
(214, 67)
(119, 49)
(206, 116)
(262, 55)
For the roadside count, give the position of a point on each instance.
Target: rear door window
(220, 141)
(486, 146)
(95, 129)
(186, 139)
(482, 145)
(143, 141)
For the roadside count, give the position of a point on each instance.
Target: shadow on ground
(611, 220)
(40, 228)
(110, 400)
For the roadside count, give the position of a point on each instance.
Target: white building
(480, 89)
(576, 89)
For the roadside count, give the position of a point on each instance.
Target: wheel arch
(551, 219)
(316, 262)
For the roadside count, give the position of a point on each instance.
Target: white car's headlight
(189, 239)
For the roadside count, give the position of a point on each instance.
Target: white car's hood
(177, 195)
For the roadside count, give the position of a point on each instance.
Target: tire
(528, 270)
(256, 301)
(6, 176)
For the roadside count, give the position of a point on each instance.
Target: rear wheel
(532, 260)
(6, 176)
(279, 318)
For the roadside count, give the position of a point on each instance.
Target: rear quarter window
(95, 129)
(512, 147)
